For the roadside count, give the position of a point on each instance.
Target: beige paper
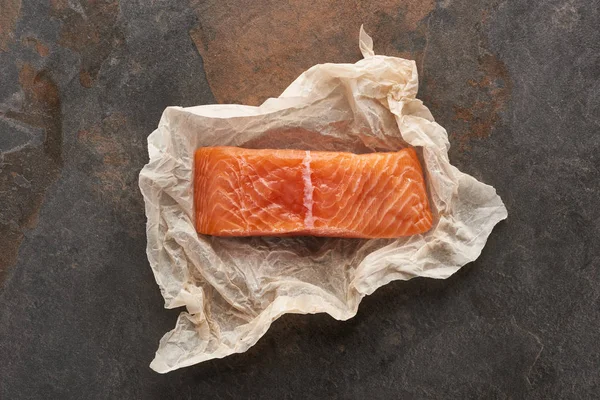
(234, 288)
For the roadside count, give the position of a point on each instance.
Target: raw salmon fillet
(243, 192)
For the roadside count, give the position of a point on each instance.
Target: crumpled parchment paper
(234, 288)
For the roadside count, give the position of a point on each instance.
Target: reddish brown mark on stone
(107, 146)
(485, 15)
(39, 89)
(114, 162)
(252, 55)
(90, 29)
(42, 108)
(35, 43)
(10, 10)
(400, 29)
(495, 88)
(26, 173)
(85, 79)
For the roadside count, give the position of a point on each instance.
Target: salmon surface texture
(243, 192)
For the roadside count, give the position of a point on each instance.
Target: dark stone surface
(517, 85)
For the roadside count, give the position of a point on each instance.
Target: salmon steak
(244, 192)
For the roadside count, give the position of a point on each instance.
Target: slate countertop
(83, 83)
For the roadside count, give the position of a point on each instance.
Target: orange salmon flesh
(243, 192)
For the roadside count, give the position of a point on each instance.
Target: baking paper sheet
(234, 288)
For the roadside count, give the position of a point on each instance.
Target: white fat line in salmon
(309, 221)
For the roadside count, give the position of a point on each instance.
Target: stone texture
(84, 82)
